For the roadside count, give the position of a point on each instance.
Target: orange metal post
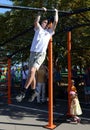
(69, 68)
(50, 85)
(9, 81)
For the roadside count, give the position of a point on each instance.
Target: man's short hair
(50, 19)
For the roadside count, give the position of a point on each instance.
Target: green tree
(16, 21)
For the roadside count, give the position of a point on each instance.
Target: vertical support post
(69, 68)
(50, 86)
(9, 81)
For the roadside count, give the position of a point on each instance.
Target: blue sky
(5, 2)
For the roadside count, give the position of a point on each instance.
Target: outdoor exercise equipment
(28, 8)
(50, 63)
(63, 13)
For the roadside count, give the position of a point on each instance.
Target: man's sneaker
(32, 96)
(20, 97)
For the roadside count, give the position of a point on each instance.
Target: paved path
(29, 116)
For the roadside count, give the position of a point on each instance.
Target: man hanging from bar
(43, 34)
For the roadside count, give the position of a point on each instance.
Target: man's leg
(30, 81)
(33, 93)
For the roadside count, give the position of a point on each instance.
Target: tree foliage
(16, 21)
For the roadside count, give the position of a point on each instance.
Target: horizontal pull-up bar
(63, 13)
(27, 8)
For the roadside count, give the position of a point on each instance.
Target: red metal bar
(9, 81)
(50, 86)
(69, 68)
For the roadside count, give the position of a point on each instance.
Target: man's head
(44, 23)
(47, 22)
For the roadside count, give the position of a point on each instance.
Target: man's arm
(55, 20)
(37, 20)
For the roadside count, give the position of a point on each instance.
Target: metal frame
(64, 13)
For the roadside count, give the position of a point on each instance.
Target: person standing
(38, 52)
(75, 108)
(41, 78)
(87, 86)
(56, 82)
